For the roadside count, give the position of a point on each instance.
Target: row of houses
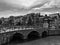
(53, 21)
(18, 20)
(32, 19)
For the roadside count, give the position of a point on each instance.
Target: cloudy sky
(22, 7)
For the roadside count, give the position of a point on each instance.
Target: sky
(22, 7)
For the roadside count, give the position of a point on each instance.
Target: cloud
(8, 7)
(50, 6)
(25, 3)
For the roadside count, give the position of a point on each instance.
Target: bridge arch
(33, 35)
(17, 37)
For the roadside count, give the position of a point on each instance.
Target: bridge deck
(4, 30)
(16, 28)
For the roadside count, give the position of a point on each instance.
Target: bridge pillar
(3, 38)
(25, 36)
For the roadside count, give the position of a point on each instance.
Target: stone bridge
(27, 33)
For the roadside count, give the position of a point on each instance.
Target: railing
(13, 29)
(16, 28)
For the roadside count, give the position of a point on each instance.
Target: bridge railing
(3, 30)
(16, 28)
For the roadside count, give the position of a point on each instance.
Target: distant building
(54, 15)
(46, 21)
(56, 19)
